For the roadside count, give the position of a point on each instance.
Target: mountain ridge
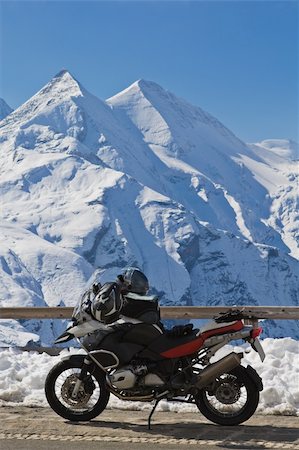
(110, 184)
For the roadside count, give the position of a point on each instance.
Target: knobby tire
(62, 410)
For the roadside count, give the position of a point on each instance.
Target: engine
(134, 375)
(123, 378)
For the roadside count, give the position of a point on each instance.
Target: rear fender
(255, 378)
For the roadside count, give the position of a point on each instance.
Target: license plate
(257, 346)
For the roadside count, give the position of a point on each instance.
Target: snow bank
(22, 377)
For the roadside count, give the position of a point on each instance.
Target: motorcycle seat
(194, 343)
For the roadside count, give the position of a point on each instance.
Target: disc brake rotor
(228, 391)
(67, 388)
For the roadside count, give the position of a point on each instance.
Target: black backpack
(141, 307)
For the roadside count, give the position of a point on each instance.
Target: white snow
(284, 148)
(22, 376)
(275, 166)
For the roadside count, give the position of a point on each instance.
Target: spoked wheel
(92, 396)
(231, 400)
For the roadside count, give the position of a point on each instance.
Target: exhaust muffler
(224, 365)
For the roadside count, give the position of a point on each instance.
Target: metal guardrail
(167, 312)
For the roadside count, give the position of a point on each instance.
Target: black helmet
(134, 281)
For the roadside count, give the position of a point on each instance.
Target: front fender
(75, 358)
(79, 360)
(254, 376)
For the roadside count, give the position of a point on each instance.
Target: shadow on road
(203, 431)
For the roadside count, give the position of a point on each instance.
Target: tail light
(256, 332)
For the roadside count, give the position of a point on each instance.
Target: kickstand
(152, 412)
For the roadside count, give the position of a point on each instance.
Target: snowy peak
(62, 83)
(56, 119)
(153, 108)
(5, 109)
(140, 86)
(146, 85)
(62, 88)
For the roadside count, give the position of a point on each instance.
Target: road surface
(41, 429)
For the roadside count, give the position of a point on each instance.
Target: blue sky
(238, 59)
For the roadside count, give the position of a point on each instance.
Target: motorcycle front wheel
(91, 399)
(231, 400)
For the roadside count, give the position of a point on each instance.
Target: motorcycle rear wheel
(93, 396)
(232, 402)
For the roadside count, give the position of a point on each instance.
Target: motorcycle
(142, 362)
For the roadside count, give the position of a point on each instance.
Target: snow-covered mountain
(4, 109)
(278, 172)
(142, 179)
(217, 172)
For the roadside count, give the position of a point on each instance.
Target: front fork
(81, 377)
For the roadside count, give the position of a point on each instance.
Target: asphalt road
(41, 429)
